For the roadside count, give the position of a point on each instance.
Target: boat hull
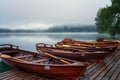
(79, 56)
(55, 72)
(110, 50)
(42, 65)
(92, 43)
(95, 57)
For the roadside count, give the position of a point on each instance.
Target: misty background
(43, 14)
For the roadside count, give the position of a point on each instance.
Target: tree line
(63, 28)
(72, 28)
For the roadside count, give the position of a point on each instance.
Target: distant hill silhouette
(63, 28)
(72, 28)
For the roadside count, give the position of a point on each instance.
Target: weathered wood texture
(110, 70)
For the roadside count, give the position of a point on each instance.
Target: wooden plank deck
(110, 70)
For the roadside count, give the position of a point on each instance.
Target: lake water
(27, 41)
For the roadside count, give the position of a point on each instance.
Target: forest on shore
(62, 28)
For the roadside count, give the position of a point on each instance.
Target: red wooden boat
(106, 40)
(92, 56)
(92, 43)
(48, 66)
(110, 49)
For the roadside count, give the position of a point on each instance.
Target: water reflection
(27, 41)
(4, 67)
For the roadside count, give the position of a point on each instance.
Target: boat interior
(34, 58)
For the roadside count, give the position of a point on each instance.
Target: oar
(86, 45)
(78, 44)
(89, 45)
(55, 57)
(82, 43)
(84, 51)
(78, 49)
(8, 57)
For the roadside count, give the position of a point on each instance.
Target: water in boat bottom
(4, 67)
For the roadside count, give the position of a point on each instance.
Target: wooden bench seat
(40, 60)
(25, 56)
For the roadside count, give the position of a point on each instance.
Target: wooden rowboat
(92, 56)
(48, 66)
(92, 43)
(111, 50)
(106, 40)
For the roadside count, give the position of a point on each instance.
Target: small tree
(98, 23)
(110, 18)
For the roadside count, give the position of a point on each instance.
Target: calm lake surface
(27, 41)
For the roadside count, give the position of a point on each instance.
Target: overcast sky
(44, 13)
